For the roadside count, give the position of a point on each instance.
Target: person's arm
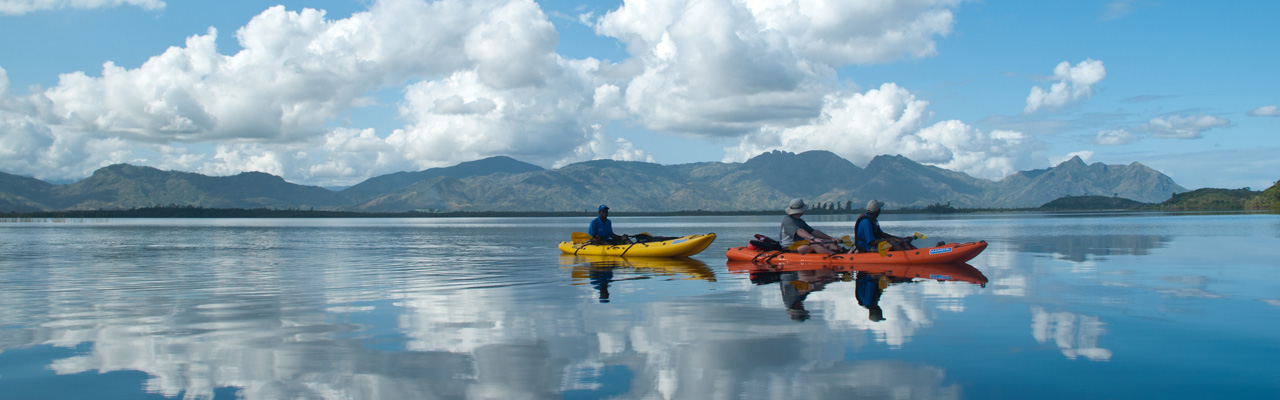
(803, 234)
(822, 235)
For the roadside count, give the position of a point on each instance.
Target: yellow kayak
(683, 246)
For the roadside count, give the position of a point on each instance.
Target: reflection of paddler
(797, 285)
(867, 288)
(600, 278)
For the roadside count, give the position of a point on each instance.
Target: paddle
(583, 237)
(883, 247)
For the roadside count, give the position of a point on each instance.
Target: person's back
(865, 232)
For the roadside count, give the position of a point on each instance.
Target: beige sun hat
(874, 205)
(797, 206)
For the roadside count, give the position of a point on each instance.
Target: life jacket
(875, 230)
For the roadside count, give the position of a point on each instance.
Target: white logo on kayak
(945, 277)
(678, 241)
(940, 251)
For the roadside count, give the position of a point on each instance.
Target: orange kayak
(949, 253)
(959, 272)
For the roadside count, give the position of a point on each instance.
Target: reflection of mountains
(1079, 247)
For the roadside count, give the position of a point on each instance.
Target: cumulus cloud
(891, 120)
(1114, 137)
(482, 78)
(1183, 127)
(488, 81)
(727, 68)
(1265, 111)
(1073, 83)
(19, 7)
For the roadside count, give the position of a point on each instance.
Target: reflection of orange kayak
(941, 272)
(945, 254)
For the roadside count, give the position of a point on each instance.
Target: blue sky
(373, 87)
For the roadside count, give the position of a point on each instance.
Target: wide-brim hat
(797, 206)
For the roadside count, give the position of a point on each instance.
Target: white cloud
(19, 7)
(1183, 127)
(1117, 9)
(727, 68)
(604, 146)
(1265, 111)
(1084, 155)
(890, 120)
(480, 78)
(1073, 84)
(299, 71)
(1114, 137)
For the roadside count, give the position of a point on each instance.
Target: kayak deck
(946, 254)
(683, 246)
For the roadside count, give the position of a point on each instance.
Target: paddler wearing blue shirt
(868, 233)
(601, 229)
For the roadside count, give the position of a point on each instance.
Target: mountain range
(765, 182)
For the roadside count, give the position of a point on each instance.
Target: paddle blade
(580, 237)
(919, 235)
(883, 248)
(796, 244)
(848, 241)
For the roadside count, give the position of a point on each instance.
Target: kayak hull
(949, 253)
(679, 247)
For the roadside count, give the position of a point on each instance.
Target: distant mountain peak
(1074, 161)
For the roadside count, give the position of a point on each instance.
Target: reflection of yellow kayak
(679, 247)
(692, 268)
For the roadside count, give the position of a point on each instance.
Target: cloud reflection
(1075, 335)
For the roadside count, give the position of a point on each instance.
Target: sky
(333, 92)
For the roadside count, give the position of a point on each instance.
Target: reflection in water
(599, 271)
(405, 312)
(799, 282)
(1075, 335)
(1078, 248)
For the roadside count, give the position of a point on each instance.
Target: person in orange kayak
(868, 234)
(795, 229)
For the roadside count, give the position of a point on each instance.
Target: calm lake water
(1074, 306)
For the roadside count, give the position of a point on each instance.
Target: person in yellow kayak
(868, 234)
(795, 229)
(601, 229)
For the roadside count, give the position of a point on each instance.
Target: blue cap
(602, 208)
